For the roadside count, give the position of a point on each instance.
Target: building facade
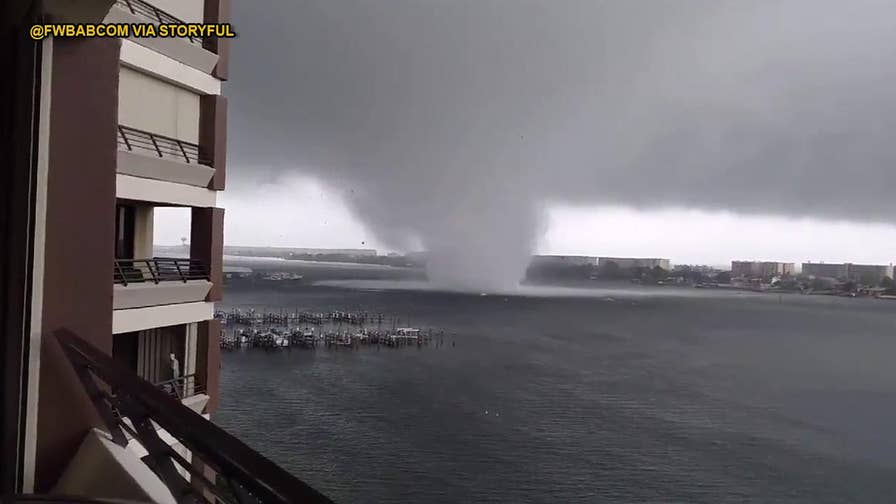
(562, 261)
(627, 263)
(826, 270)
(295, 251)
(120, 127)
(761, 269)
(869, 274)
(744, 268)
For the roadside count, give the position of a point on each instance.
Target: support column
(213, 137)
(190, 341)
(143, 232)
(208, 360)
(218, 11)
(207, 245)
(79, 233)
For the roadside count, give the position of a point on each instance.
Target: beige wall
(162, 191)
(148, 166)
(146, 60)
(102, 469)
(139, 319)
(143, 232)
(189, 11)
(149, 104)
(137, 295)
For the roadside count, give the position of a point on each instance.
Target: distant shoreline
(370, 262)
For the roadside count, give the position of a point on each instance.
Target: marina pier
(328, 330)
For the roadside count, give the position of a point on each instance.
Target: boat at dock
(309, 330)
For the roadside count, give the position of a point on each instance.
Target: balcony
(191, 51)
(186, 389)
(128, 458)
(153, 156)
(154, 14)
(141, 283)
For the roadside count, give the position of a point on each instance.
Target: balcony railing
(57, 499)
(243, 475)
(144, 142)
(181, 387)
(145, 9)
(159, 269)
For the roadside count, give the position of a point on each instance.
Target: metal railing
(145, 9)
(59, 499)
(159, 269)
(135, 140)
(243, 475)
(181, 387)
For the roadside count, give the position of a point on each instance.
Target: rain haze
(484, 131)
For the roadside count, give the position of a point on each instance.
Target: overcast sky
(701, 130)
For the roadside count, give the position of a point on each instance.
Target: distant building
(746, 269)
(869, 274)
(562, 260)
(866, 274)
(761, 269)
(826, 270)
(627, 263)
(294, 251)
(697, 268)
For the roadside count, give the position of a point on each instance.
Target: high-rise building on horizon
(627, 263)
(761, 269)
(826, 270)
(868, 274)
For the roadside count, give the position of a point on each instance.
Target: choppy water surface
(632, 396)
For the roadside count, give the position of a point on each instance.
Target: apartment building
(170, 151)
(869, 274)
(548, 261)
(101, 133)
(826, 270)
(761, 269)
(635, 262)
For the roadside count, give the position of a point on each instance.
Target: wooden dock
(332, 330)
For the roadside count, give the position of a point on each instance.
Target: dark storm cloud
(454, 121)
